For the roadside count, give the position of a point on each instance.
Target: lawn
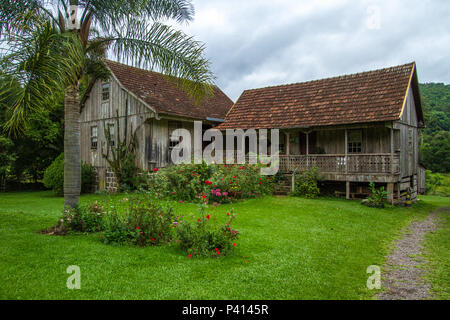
(289, 248)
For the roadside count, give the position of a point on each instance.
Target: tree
(53, 46)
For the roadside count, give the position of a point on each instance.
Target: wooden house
(356, 129)
(150, 106)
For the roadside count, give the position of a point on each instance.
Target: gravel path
(402, 277)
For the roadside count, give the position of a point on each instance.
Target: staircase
(283, 187)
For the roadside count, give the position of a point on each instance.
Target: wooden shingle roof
(164, 97)
(358, 98)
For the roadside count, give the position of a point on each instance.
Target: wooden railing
(338, 163)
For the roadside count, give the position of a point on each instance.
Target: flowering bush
(141, 222)
(181, 182)
(87, 218)
(202, 238)
(213, 183)
(238, 182)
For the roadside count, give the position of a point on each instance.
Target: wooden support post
(347, 190)
(288, 146)
(286, 136)
(392, 150)
(390, 191)
(307, 151)
(346, 151)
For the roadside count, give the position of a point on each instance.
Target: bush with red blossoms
(204, 238)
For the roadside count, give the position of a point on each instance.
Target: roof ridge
(345, 76)
(146, 70)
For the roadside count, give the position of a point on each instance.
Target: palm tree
(51, 47)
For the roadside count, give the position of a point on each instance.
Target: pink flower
(218, 194)
(181, 201)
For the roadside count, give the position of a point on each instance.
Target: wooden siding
(409, 137)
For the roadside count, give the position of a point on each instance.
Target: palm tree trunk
(72, 150)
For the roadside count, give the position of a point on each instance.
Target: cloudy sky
(258, 43)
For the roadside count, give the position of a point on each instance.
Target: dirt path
(402, 277)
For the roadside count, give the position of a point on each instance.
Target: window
(112, 135)
(94, 137)
(106, 87)
(354, 141)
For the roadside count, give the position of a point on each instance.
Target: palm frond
(19, 15)
(44, 64)
(159, 47)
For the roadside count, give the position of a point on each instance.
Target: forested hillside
(435, 149)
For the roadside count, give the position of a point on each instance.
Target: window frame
(354, 145)
(94, 138)
(106, 85)
(112, 133)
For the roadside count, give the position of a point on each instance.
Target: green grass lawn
(289, 248)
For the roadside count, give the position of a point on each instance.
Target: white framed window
(354, 144)
(112, 134)
(106, 91)
(94, 137)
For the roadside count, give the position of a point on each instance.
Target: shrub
(230, 182)
(140, 222)
(377, 198)
(85, 218)
(54, 176)
(202, 238)
(433, 181)
(186, 181)
(306, 184)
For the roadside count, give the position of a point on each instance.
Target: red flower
(260, 182)
(153, 239)
(208, 216)
(218, 253)
(156, 169)
(137, 228)
(189, 256)
(204, 197)
(234, 244)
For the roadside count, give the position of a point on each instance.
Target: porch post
(347, 183)
(390, 191)
(288, 151)
(307, 150)
(392, 149)
(347, 190)
(346, 151)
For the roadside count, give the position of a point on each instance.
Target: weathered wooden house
(150, 106)
(356, 128)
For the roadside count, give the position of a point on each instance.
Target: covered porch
(359, 154)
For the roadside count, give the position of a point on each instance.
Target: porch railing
(338, 163)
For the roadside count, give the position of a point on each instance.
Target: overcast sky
(258, 43)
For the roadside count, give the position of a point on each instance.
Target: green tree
(54, 46)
